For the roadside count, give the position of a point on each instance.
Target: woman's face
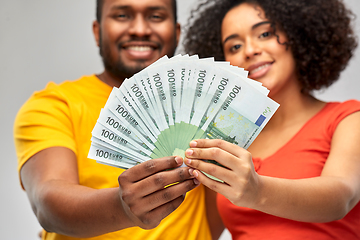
(249, 42)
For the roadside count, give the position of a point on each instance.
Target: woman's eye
(236, 47)
(265, 34)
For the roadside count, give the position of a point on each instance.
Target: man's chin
(126, 68)
(140, 63)
(126, 71)
(136, 68)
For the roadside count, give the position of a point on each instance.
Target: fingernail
(189, 152)
(195, 173)
(178, 160)
(193, 144)
(187, 161)
(191, 171)
(196, 181)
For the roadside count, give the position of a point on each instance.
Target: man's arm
(61, 205)
(215, 223)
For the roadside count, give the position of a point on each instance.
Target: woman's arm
(325, 198)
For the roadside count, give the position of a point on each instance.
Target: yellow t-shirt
(64, 115)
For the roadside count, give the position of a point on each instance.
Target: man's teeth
(259, 68)
(140, 48)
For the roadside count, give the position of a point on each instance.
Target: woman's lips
(259, 70)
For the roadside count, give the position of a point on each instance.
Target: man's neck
(110, 79)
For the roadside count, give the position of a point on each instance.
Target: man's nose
(139, 27)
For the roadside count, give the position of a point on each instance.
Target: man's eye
(156, 17)
(122, 16)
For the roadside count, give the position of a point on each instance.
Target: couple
(298, 180)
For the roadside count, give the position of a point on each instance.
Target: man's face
(135, 33)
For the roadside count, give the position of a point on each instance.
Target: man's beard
(118, 68)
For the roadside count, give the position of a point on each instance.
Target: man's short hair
(100, 3)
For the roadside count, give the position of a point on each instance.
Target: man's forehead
(138, 4)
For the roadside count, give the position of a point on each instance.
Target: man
(74, 197)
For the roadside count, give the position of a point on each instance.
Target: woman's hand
(241, 182)
(323, 198)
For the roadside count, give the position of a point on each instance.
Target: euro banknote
(159, 110)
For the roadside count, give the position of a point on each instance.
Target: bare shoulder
(344, 157)
(348, 128)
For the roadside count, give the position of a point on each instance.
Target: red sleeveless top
(302, 157)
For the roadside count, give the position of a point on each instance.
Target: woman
(300, 179)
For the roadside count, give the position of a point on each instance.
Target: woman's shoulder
(334, 112)
(345, 106)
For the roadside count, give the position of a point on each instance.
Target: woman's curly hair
(319, 34)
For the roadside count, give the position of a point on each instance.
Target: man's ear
(178, 32)
(96, 32)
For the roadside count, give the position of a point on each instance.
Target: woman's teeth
(259, 68)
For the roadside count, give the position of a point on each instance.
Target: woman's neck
(295, 107)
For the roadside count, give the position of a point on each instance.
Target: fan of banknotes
(159, 110)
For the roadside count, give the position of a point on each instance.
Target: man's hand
(146, 195)
(64, 206)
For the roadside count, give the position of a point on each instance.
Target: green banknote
(159, 110)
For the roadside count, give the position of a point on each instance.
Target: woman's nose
(251, 49)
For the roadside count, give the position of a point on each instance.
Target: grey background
(42, 41)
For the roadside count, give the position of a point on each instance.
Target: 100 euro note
(237, 112)
(198, 82)
(159, 110)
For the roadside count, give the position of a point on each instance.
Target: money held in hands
(159, 110)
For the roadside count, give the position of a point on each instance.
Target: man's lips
(259, 69)
(140, 45)
(139, 49)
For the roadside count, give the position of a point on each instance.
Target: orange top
(303, 156)
(64, 115)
